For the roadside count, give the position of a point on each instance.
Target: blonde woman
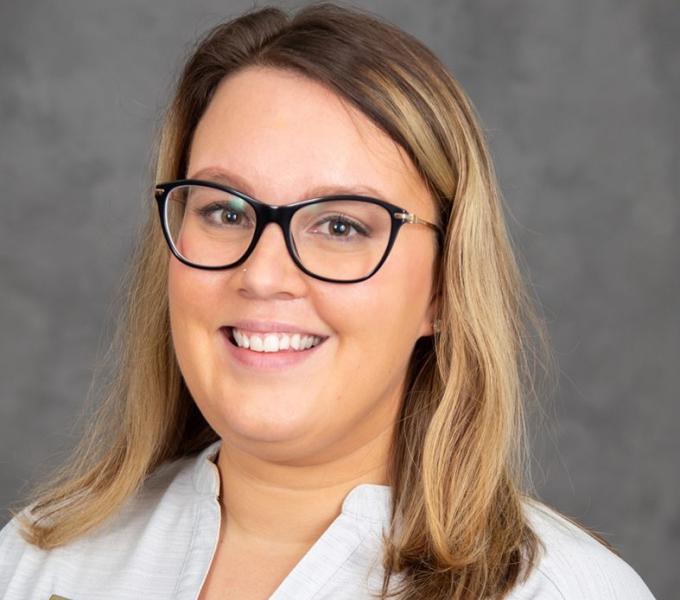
(324, 356)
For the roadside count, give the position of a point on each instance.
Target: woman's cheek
(194, 294)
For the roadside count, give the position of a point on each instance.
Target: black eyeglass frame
(282, 215)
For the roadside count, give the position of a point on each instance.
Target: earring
(436, 325)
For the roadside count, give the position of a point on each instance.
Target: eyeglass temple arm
(411, 218)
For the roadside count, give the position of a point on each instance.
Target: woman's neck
(288, 506)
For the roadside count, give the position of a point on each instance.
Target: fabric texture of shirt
(160, 544)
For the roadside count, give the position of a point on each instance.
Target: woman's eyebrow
(221, 175)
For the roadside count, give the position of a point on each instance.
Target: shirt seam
(550, 580)
(190, 549)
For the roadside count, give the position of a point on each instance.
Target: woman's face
(281, 138)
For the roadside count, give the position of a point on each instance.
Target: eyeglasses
(339, 238)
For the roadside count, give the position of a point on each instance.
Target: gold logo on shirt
(55, 597)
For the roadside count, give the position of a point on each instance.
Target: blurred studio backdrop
(579, 100)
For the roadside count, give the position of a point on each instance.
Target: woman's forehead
(285, 135)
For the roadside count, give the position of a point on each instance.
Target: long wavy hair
(460, 460)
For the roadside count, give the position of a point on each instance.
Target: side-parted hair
(460, 469)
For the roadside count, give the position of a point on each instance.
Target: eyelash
(206, 211)
(358, 227)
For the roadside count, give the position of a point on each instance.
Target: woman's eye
(341, 227)
(229, 216)
(223, 215)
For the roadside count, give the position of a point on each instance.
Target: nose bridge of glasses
(270, 213)
(273, 215)
(267, 214)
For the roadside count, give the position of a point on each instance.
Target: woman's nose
(270, 270)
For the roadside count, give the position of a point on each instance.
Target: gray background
(579, 100)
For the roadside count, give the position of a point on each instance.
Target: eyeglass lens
(340, 239)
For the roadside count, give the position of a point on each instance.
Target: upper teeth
(273, 342)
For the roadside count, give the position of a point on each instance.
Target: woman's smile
(269, 350)
(273, 342)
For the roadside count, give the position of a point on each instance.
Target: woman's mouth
(270, 350)
(273, 341)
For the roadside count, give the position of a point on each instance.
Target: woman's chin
(282, 424)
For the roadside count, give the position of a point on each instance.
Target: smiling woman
(324, 359)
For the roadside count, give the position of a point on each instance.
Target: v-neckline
(365, 514)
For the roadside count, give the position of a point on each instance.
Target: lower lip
(267, 361)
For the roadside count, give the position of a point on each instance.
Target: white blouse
(160, 545)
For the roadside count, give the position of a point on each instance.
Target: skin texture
(296, 441)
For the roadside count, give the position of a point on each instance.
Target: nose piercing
(244, 269)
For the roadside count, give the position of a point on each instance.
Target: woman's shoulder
(573, 565)
(156, 521)
(170, 481)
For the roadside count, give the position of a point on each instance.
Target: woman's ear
(431, 320)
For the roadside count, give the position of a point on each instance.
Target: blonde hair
(460, 461)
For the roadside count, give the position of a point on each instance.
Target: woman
(323, 354)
